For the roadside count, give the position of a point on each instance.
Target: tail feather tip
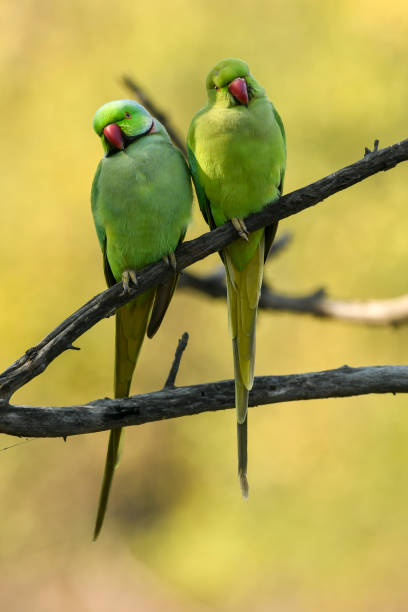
(243, 481)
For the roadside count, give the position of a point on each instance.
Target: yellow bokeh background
(326, 524)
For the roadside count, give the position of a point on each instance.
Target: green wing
(110, 279)
(203, 201)
(280, 123)
(100, 230)
(270, 230)
(162, 299)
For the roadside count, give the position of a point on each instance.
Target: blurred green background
(326, 525)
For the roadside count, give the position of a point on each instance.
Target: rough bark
(54, 421)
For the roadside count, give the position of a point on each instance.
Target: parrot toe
(127, 276)
(240, 227)
(171, 261)
(243, 481)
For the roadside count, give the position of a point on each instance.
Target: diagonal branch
(103, 414)
(36, 359)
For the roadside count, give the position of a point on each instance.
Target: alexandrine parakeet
(141, 204)
(237, 154)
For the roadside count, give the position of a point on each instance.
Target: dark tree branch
(155, 111)
(36, 359)
(393, 311)
(46, 421)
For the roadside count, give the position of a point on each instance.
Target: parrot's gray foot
(171, 261)
(240, 227)
(127, 276)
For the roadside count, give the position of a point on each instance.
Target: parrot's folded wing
(110, 279)
(203, 201)
(162, 299)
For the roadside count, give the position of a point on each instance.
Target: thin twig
(99, 415)
(182, 345)
(36, 359)
(5, 448)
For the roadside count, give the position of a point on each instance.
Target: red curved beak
(238, 88)
(114, 134)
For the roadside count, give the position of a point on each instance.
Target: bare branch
(182, 345)
(36, 359)
(46, 421)
(393, 311)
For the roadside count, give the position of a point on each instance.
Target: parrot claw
(127, 276)
(171, 261)
(240, 227)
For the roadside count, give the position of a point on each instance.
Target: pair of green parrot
(141, 203)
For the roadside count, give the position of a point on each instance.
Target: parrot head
(120, 122)
(230, 83)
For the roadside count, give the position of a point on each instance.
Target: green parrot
(237, 155)
(141, 204)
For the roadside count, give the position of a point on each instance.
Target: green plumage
(141, 203)
(237, 154)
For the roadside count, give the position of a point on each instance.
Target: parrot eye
(128, 116)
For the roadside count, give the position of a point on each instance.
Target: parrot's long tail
(131, 324)
(243, 291)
